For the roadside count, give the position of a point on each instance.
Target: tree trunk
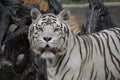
(98, 18)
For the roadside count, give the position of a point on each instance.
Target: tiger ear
(34, 13)
(64, 14)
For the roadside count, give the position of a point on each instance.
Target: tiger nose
(47, 38)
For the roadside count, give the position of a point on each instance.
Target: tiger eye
(56, 29)
(40, 28)
(36, 33)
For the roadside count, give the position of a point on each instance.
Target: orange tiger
(42, 3)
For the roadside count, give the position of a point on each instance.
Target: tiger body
(68, 56)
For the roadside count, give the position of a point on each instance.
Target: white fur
(79, 57)
(48, 55)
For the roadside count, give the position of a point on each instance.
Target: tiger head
(48, 33)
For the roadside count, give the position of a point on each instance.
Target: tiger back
(94, 56)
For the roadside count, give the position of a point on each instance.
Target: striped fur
(42, 3)
(93, 56)
(73, 21)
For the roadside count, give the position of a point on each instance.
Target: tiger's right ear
(34, 13)
(64, 14)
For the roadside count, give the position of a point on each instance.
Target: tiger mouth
(48, 49)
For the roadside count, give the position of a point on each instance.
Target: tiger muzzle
(48, 49)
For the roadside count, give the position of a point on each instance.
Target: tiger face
(47, 34)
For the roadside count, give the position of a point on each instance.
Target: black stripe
(116, 31)
(95, 77)
(81, 56)
(54, 19)
(43, 16)
(50, 75)
(88, 48)
(114, 44)
(103, 47)
(43, 19)
(85, 48)
(53, 16)
(72, 77)
(78, 40)
(65, 74)
(92, 72)
(91, 43)
(58, 60)
(69, 54)
(98, 42)
(117, 61)
(112, 77)
(106, 67)
(111, 53)
(59, 64)
(43, 23)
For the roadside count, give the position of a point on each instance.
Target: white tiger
(93, 56)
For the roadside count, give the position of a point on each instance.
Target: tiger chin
(94, 56)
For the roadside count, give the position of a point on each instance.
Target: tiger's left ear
(34, 13)
(64, 14)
